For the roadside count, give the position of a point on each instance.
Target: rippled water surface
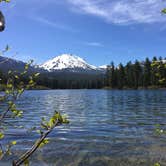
(107, 127)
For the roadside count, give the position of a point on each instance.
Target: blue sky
(100, 31)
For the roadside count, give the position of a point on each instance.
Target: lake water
(107, 127)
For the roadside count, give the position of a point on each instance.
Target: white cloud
(122, 11)
(94, 44)
(37, 10)
(52, 24)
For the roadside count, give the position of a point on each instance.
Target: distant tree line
(62, 80)
(71, 81)
(140, 74)
(146, 74)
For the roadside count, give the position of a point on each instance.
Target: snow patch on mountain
(67, 61)
(103, 67)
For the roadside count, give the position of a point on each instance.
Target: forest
(140, 74)
(145, 74)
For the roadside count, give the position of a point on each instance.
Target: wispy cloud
(53, 24)
(37, 10)
(122, 11)
(94, 44)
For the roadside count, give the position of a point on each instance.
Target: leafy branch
(5, 1)
(164, 11)
(55, 120)
(14, 88)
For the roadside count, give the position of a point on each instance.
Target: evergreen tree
(154, 79)
(147, 73)
(121, 76)
(129, 75)
(112, 80)
(137, 74)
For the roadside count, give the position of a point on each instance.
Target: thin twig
(4, 114)
(26, 155)
(14, 98)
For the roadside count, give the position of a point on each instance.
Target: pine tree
(121, 76)
(147, 73)
(137, 74)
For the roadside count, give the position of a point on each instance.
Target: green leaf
(7, 1)
(156, 164)
(14, 142)
(30, 77)
(2, 98)
(1, 153)
(31, 82)
(9, 86)
(24, 72)
(164, 11)
(16, 76)
(26, 66)
(20, 91)
(45, 141)
(26, 162)
(9, 72)
(1, 135)
(17, 113)
(39, 131)
(36, 75)
(8, 152)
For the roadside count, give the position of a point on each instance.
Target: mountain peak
(103, 67)
(67, 61)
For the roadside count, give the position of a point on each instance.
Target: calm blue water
(107, 127)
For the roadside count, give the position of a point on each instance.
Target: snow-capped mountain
(103, 67)
(64, 63)
(67, 61)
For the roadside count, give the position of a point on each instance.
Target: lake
(107, 127)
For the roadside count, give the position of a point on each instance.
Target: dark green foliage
(121, 77)
(137, 75)
(147, 73)
(129, 75)
(164, 11)
(70, 80)
(4, 0)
